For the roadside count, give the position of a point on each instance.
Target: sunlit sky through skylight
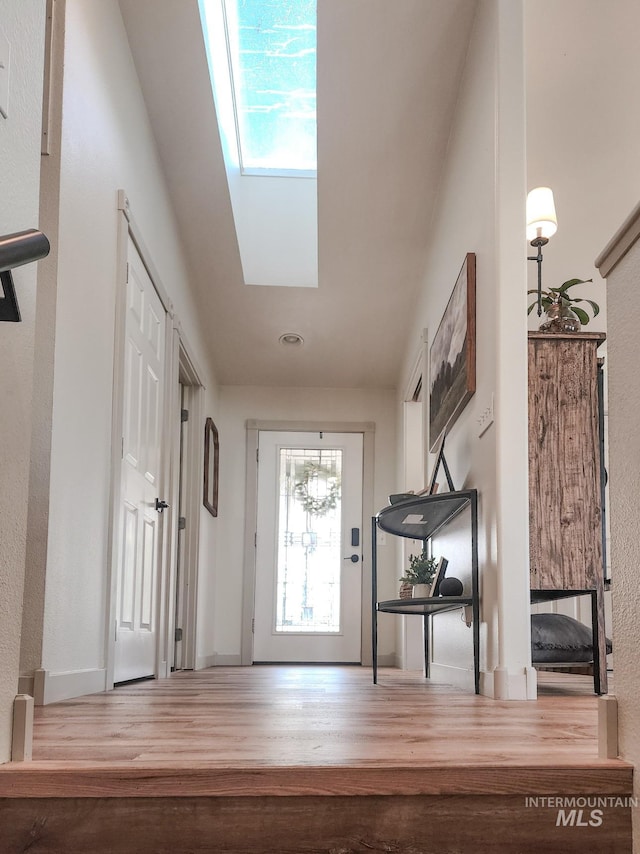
(273, 58)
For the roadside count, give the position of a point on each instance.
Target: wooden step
(298, 760)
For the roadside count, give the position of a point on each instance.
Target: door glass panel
(309, 541)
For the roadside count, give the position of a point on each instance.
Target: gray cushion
(558, 638)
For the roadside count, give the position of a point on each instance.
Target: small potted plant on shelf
(562, 314)
(419, 576)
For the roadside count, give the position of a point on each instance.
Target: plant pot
(421, 591)
(560, 318)
(406, 590)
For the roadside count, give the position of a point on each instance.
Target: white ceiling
(388, 74)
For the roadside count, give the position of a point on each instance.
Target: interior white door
(139, 520)
(308, 599)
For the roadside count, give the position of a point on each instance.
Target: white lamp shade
(541, 214)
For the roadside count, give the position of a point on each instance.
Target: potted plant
(562, 313)
(420, 574)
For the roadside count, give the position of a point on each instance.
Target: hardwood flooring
(304, 759)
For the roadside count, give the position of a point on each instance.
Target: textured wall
(22, 23)
(624, 489)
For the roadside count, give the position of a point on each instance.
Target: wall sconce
(541, 225)
(17, 249)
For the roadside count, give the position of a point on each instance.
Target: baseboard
(458, 676)
(25, 685)
(22, 736)
(227, 660)
(218, 660)
(505, 685)
(53, 687)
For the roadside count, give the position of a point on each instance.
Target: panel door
(139, 521)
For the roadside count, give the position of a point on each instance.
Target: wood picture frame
(211, 467)
(452, 357)
(441, 570)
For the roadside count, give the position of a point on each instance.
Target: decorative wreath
(313, 504)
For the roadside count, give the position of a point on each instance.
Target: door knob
(161, 505)
(353, 558)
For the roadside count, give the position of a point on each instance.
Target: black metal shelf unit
(420, 518)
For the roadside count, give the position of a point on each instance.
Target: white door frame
(251, 519)
(192, 468)
(176, 354)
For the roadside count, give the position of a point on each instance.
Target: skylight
(272, 57)
(262, 59)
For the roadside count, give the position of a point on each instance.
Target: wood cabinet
(565, 472)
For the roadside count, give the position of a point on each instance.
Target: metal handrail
(23, 247)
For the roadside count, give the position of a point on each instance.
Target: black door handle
(353, 558)
(161, 505)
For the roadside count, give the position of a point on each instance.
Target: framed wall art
(452, 358)
(211, 466)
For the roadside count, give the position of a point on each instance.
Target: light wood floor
(284, 760)
(306, 715)
(314, 718)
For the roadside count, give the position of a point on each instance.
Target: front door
(139, 520)
(308, 598)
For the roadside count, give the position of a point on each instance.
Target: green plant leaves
(594, 305)
(570, 283)
(582, 315)
(560, 294)
(421, 569)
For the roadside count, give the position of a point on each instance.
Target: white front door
(139, 520)
(308, 598)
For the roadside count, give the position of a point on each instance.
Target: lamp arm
(539, 242)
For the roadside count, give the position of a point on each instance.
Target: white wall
(106, 144)
(583, 126)
(239, 403)
(22, 24)
(480, 209)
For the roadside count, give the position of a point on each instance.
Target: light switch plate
(485, 419)
(5, 62)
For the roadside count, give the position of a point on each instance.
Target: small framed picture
(211, 467)
(441, 570)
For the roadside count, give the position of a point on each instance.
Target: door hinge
(184, 415)
(253, 626)
(122, 448)
(182, 523)
(127, 276)
(255, 541)
(257, 455)
(178, 635)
